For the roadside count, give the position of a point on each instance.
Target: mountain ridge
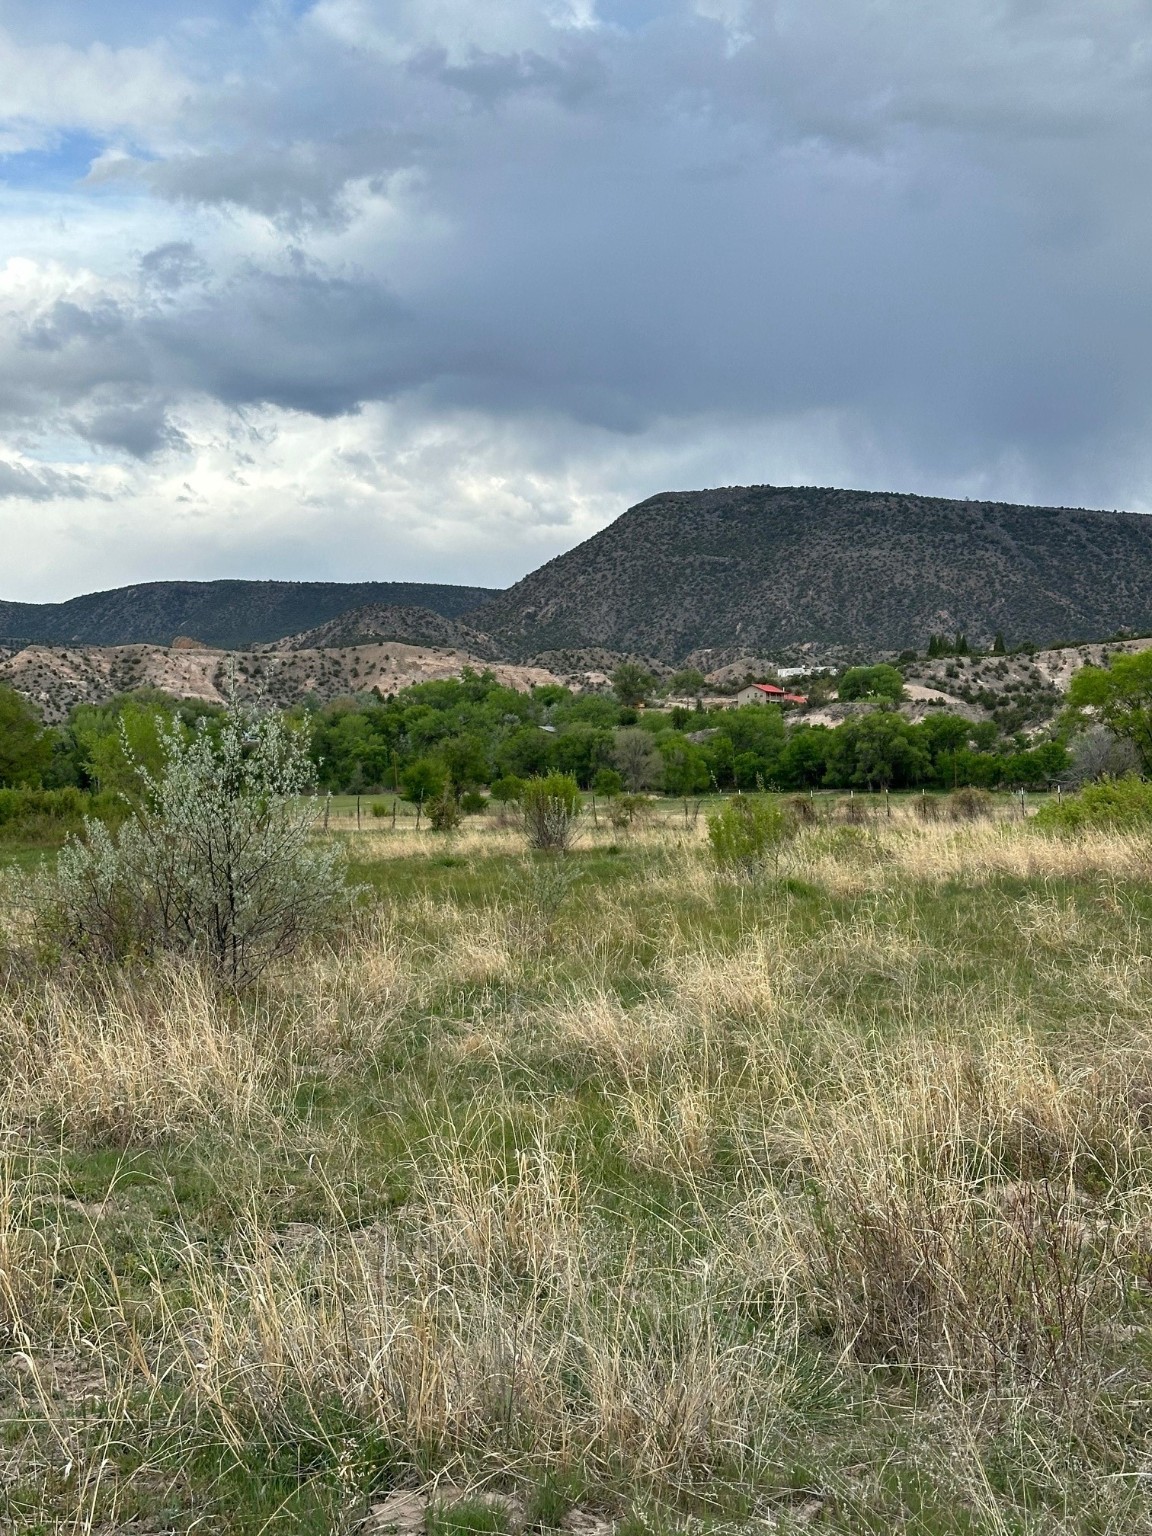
(377, 622)
(231, 613)
(781, 568)
(805, 573)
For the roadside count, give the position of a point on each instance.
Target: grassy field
(602, 1194)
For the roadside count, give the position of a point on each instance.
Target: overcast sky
(433, 289)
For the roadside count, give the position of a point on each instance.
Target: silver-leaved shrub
(218, 862)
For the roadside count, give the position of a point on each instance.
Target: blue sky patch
(50, 170)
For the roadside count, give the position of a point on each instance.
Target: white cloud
(134, 90)
(429, 287)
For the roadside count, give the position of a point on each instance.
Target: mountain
(768, 569)
(708, 576)
(232, 614)
(378, 623)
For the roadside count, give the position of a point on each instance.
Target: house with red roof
(768, 693)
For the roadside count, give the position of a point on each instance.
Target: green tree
(581, 750)
(804, 761)
(877, 751)
(685, 766)
(507, 789)
(466, 759)
(631, 683)
(943, 732)
(1120, 695)
(688, 683)
(634, 753)
(423, 781)
(25, 746)
(879, 682)
(115, 740)
(525, 752)
(1037, 767)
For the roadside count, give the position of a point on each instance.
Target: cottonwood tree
(878, 682)
(632, 683)
(25, 746)
(637, 758)
(1120, 696)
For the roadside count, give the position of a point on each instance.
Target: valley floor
(602, 1194)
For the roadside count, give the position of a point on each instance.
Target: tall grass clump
(498, 1324)
(970, 804)
(217, 862)
(136, 1062)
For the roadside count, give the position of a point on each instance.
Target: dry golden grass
(135, 1060)
(679, 1164)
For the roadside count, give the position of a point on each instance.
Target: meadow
(600, 1193)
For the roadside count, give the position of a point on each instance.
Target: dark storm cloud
(172, 265)
(136, 426)
(86, 354)
(68, 324)
(932, 220)
(302, 340)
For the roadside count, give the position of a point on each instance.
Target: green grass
(435, 1076)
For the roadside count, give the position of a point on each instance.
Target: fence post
(327, 804)
(357, 813)
(393, 813)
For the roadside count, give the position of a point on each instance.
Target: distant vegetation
(1120, 696)
(879, 682)
(470, 733)
(1121, 805)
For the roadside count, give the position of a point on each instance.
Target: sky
(434, 289)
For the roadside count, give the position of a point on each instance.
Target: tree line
(471, 734)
